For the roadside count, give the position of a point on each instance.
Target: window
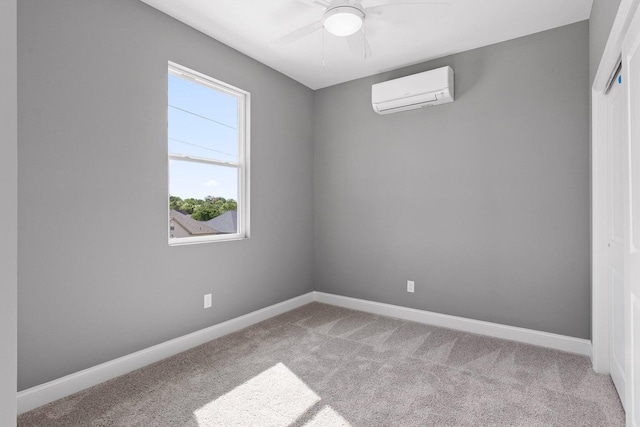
(208, 152)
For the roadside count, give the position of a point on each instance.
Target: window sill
(206, 239)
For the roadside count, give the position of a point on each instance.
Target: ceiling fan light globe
(343, 21)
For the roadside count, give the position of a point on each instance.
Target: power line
(200, 146)
(202, 117)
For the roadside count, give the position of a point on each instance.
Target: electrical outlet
(207, 301)
(410, 286)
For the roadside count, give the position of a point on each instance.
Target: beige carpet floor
(321, 365)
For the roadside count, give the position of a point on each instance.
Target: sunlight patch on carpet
(275, 397)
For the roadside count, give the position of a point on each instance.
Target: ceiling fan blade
(381, 7)
(359, 45)
(298, 34)
(321, 3)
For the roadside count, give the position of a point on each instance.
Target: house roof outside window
(193, 227)
(222, 224)
(225, 223)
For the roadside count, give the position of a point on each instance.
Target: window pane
(203, 122)
(202, 199)
(203, 100)
(207, 127)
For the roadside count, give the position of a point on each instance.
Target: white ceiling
(401, 35)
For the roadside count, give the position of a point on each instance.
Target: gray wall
(603, 13)
(97, 278)
(9, 211)
(483, 202)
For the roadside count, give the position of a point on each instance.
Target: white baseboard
(45, 393)
(65, 386)
(528, 336)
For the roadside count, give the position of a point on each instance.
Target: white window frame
(244, 108)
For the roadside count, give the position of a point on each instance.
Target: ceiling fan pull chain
(364, 41)
(323, 63)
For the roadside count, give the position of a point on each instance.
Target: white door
(631, 65)
(616, 143)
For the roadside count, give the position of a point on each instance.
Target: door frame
(600, 301)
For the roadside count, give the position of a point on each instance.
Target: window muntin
(208, 141)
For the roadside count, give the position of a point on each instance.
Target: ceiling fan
(346, 18)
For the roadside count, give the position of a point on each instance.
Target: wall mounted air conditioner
(419, 90)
